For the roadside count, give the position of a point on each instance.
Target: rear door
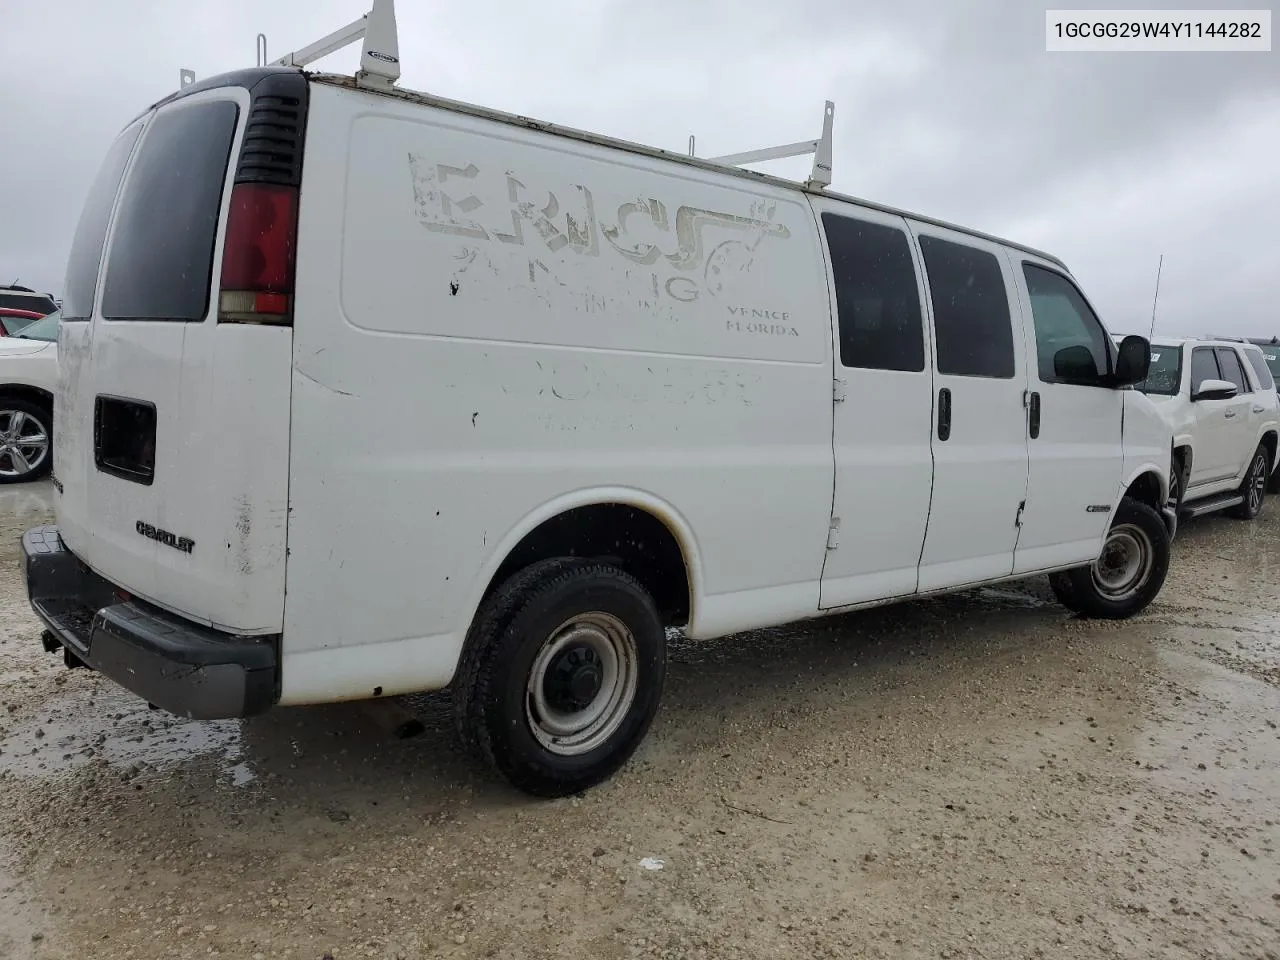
(1213, 456)
(980, 428)
(172, 427)
(1241, 422)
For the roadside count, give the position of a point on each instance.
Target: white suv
(1220, 399)
(28, 380)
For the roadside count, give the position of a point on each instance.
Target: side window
(1259, 364)
(1071, 345)
(1203, 367)
(971, 318)
(1229, 364)
(877, 298)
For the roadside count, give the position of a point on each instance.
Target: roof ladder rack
(379, 54)
(819, 177)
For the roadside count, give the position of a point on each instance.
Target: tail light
(258, 255)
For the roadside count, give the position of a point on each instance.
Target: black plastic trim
(271, 151)
(248, 78)
(145, 476)
(183, 667)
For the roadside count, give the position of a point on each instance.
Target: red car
(12, 320)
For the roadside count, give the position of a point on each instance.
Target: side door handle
(1259, 409)
(1229, 414)
(1035, 414)
(944, 413)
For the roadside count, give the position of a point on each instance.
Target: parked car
(14, 297)
(11, 321)
(1219, 398)
(28, 381)
(546, 395)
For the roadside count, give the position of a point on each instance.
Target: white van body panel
(496, 324)
(1147, 447)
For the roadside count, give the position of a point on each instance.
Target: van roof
(249, 76)
(488, 113)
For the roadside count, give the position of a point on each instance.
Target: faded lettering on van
(768, 329)
(685, 254)
(438, 209)
(689, 225)
(682, 289)
(445, 207)
(435, 208)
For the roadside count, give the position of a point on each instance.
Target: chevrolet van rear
(171, 426)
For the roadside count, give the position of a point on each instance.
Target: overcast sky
(947, 107)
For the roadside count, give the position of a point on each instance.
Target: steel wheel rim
(1257, 484)
(24, 443)
(593, 649)
(1125, 563)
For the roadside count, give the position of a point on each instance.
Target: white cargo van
(365, 392)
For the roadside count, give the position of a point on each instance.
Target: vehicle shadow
(898, 652)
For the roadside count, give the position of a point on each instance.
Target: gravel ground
(977, 776)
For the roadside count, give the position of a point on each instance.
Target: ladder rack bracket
(379, 54)
(819, 176)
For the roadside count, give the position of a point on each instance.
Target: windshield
(1164, 376)
(46, 328)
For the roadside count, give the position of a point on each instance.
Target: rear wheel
(1131, 568)
(26, 449)
(562, 675)
(1254, 487)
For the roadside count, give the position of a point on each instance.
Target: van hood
(20, 347)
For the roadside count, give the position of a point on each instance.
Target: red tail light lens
(258, 255)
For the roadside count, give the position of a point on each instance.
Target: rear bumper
(182, 667)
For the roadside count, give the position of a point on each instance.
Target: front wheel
(1063, 590)
(562, 675)
(1131, 568)
(1254, 487)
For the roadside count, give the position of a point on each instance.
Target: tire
(1060, 584)
(557, 624)
(1131, 568)
(1254, 486)
(1175, 485)
(26, 441)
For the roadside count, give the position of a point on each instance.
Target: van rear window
(161, 262)
(86, 248)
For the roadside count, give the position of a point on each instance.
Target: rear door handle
(1259, 409)
(1230, 414)
(944, 413)
(1035, 415)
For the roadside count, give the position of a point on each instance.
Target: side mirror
(1133, 361)
(1075, 364)
(1214, 390)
